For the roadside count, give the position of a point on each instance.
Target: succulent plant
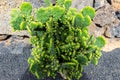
(60, 39)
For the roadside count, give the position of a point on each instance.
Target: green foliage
(26, 8)
(88, 11)
(19, 17)
(100, 42)
(42, 14)
(60, 39)
(67, 3)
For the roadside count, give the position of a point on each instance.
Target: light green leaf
(88, 11)
(26, 8)
(23, 25)
(87, 21)
(30, 60)
(33, 25)
(42, 14)
(68, 64)
(95, 61)
(14, 14)
(72, 11)
(57, 12)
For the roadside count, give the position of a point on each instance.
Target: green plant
(60, 39)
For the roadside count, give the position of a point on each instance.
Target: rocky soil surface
(15, 47)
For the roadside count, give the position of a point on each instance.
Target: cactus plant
(60, 39)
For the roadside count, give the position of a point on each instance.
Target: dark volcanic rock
(107, 69)
(13, 58)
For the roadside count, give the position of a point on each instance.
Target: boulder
(99, 3)
(106, 17)
(14, 53)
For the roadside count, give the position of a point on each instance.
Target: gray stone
(99, 3)
(79, 4)
(112, 30)
(117, 32)
(107, 69)
(104, 15)
(13, 58)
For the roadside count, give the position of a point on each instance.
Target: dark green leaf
(100, 42)
(78, 20)
(15, 23)
(82, 59)
(89, 56)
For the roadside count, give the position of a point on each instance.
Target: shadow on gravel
(107, 69)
